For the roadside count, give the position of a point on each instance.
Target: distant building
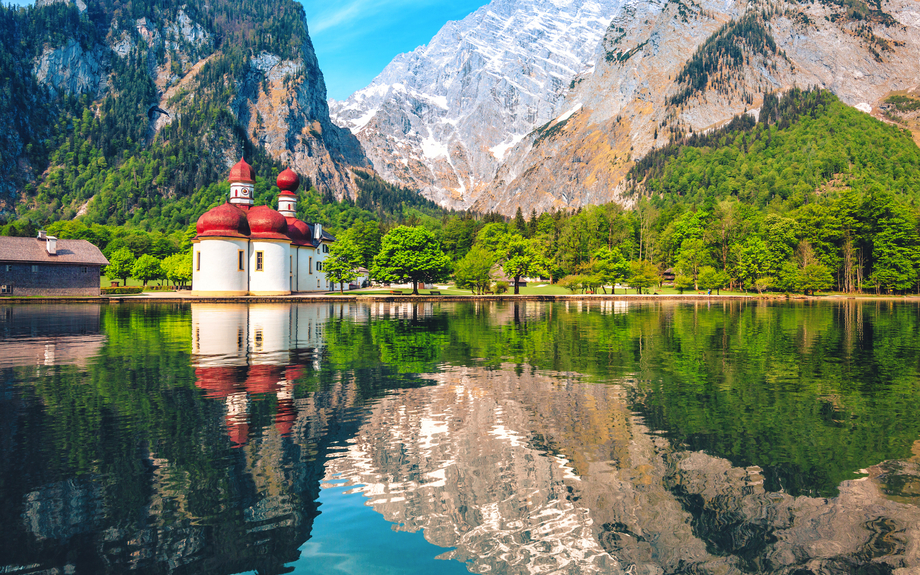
(47, 266)
(246, 250)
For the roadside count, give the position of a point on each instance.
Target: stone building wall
(50, 279)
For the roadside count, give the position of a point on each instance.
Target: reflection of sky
(350, 537)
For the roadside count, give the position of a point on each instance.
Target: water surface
(607, 437)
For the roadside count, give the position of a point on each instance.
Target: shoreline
(175, 297)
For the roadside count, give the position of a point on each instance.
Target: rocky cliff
(668, 68)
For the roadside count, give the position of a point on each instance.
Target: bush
(501, 287)
(121, 290)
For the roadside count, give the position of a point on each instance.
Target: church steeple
(242, 184)
(288, 181)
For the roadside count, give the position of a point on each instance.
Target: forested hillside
(83, 144)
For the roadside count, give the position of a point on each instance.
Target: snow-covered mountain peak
(442, 117)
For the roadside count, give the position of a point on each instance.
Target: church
(244, 250)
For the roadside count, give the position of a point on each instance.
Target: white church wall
(274, 276)
(215, 267)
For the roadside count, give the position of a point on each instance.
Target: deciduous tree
(410, 254)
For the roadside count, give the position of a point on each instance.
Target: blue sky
(356, 39)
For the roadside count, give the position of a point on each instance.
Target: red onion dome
(242, 173)
(288, 181)
(226, 220)
(299, 232)
(267, 224)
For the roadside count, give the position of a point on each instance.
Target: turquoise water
(602, 437)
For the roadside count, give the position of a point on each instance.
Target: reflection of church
(246, 250)
(245, 354)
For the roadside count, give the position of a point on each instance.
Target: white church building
(246, 250)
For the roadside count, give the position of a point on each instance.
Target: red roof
(266, 223)
(301, 233)
(242, 173)
(288, 181)
(226, 220)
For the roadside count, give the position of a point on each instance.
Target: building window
(241, 264)
(7, 289)
(325, 248)
(84, 269)
(260, 261)
(198, 261)
(292, 265)
(34, 268)
(310, 266)
(319, 266)
(9, 267)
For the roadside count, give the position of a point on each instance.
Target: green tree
(178, 268)
(682, 282)
(713, 279)
(693, 255)
(642, 275)
(147, 268)
(121, 265)
(345, 256)
(410, 254)
(367, 239)
(815, 277)
(474, 271)
(610, 267)
(521, 259)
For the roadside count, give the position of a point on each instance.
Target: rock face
(71, 70)
(443, 117)
(632, 100)
(282, 103)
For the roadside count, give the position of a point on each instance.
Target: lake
(486, 437)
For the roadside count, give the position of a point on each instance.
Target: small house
(47, 266)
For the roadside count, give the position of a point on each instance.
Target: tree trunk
(516, 279)
(414, 287)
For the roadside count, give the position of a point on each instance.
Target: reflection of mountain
(522, 472)
(49, 334)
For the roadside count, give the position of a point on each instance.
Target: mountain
(231, 78)
(670, 68)
(547, 105)
(443, 117)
